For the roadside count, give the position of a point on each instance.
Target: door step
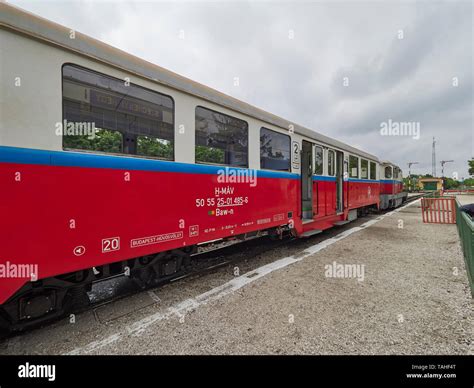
(310, 233)
(340, 223)
(307, 220)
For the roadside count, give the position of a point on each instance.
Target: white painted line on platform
(153, 296)
(191, 304)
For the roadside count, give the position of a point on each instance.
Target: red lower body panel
(61, 219)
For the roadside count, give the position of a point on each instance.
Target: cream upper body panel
(33, 52)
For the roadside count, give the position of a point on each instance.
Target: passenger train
(112, 165)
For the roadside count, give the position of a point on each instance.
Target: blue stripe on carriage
(363, 180)
(324, 178)
(333, 179)
(79, 159)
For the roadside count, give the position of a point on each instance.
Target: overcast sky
(340, 68)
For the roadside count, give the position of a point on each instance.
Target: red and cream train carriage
(392, 192)
(110, 164)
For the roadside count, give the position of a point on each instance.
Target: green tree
(469, 182)
(152, 146)
(471, 166)
(103, 140)
(450, 183)
(210, 155)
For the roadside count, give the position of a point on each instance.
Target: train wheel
(33, 306)
(164, 266)
(4, 325)
(144, 277)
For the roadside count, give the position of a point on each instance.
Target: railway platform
(465, 199)
(386, 284)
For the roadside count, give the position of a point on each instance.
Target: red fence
(454, 191)
(438, 210)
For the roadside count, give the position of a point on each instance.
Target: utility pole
(410, 181)
(409, 166)
(443, 162)
(433, 158)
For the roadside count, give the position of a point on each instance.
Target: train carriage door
(307, 180)
(339, 181)
(346, 182)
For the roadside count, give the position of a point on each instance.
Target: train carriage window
(353, 166)
(364, 169)
(274, 150)
(373, 171)
(221, 139)
(318, 160)
(388, 172)
(107, 114)
(331, 163)
(398, 173)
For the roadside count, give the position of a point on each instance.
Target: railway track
(203, 263)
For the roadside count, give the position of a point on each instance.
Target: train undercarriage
(45, 300)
